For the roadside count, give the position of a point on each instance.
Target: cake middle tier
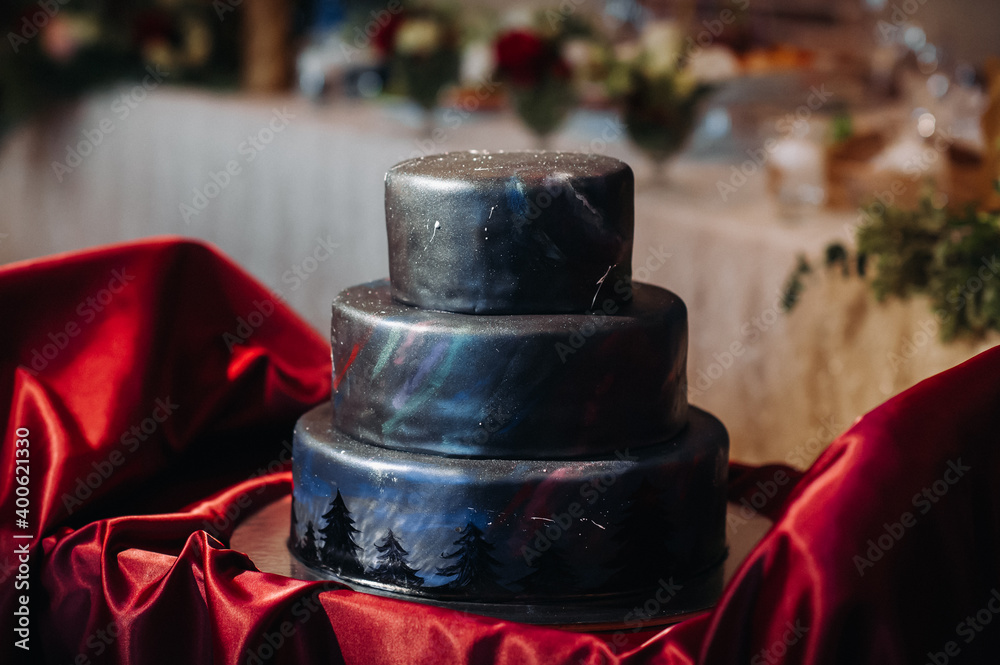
(526, 386)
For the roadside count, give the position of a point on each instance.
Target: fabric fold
(156, 380)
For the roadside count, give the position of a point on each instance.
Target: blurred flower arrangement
(56, 52)
(532, 62)
(421, 46)
(548, 61)
(658, 90)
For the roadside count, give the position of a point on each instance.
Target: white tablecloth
(301, 209)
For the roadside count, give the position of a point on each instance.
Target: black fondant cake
(541, 464)
(522, 386)
(509, 232)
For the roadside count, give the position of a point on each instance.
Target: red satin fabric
(137, 571)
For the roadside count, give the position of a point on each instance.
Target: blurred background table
(784, 384)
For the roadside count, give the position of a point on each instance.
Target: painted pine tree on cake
(307, 546)
(340, 551)
(643, 539)
(390, 565)
(552, 574)
(472, 567)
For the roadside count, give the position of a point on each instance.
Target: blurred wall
(969, 29)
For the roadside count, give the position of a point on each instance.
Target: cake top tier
(509, 232)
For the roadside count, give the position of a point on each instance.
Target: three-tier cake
(509, 431)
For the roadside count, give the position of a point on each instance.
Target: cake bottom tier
(624, 537)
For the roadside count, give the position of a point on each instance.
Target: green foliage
(424, 77)
(963, 280)
(658, 94)
(658, 116)
(842, 127)
(794, 286)
(422, 46)
(544, 107)
(903, 243)
(836, 255)
(951, 258)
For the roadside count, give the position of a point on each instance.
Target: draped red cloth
(158, 384)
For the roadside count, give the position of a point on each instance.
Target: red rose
(560, 68)
(29, 18)
(385, 36)
(522, 56)
(154, 25)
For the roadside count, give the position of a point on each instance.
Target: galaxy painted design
(510, 530)
(509, 232)
(509, 431)
(519, 386)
